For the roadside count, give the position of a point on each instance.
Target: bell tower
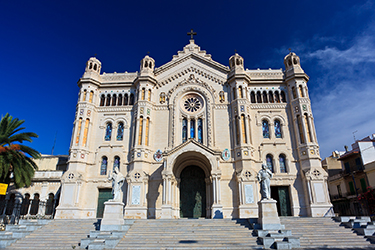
(315, 178)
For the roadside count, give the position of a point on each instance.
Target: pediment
(194, 61)
(191, 144)
(191, 150)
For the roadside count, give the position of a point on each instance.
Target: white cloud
(343, 100)
(362, 51)
(342, 111)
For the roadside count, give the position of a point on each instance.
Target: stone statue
(264, 176)
(117, 182)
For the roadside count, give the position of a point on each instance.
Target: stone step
(323, 232)
(57, 234)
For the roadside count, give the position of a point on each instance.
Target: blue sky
(44, 46)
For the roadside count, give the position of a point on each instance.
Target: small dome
(93, 65)
(236, 62)
(291, 60)
(147, 64)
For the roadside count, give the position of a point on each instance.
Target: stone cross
(192, 34)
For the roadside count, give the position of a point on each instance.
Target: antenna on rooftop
(354, 135)
(54, 143)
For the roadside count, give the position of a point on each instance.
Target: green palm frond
(16, 158)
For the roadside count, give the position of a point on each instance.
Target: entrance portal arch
(192, 170)
(192, 192)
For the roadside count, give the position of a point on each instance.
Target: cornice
(196, 69)
(192, 55)
(268, 105)
(118, 77)
(114, 109)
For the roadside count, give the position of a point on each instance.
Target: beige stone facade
(193, 121)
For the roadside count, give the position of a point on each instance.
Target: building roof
(348, 154)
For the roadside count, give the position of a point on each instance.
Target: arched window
(283, 98)
(35, 204)
(143, 94)
(25, 205)
(116, 163)
(308, 130)
(114, 99)
(91, 96)
(120, 131)
(277, 97)
(240, 91)
(270, 97)
(10, 204)
(147, 131)
(236, 121)
(269, 162)
(108, 132)
(119, 103)
(278, 129)
(200, 132)
(243, 129)
(299, 122)
(79, 130)
(294, 92)
(265, 129)
(149, 95)
(259, 97)
(126, 99)
(192, 128)
(131, 99)
(265, 99)
(102, 100)
(140, 134)
(84, 95)
(85, 132)
(50, 204)
(252, 97)
(282, 163)
(300, 90)
(103, 166)
(108, 100)
(184, 130)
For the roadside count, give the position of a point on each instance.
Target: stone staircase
(189, 234)
(323, 233)
(13, 233)
(58, 234)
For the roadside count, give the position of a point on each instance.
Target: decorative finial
(95, 55)
(290, 50)
(148, 53)
(192, 34)
(235, 51)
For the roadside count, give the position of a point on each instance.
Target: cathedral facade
(190, 137)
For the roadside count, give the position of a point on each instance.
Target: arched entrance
(192, 192)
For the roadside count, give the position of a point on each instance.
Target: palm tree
(16, 160)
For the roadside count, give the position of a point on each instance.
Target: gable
(194, 61)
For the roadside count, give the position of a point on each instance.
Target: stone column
(217, 207)
(166, 208)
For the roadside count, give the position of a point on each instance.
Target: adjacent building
(42, 196)
(354, 176)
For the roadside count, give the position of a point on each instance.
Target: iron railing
(11, 211)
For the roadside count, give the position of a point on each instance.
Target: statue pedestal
(268, 218)
(113, 217)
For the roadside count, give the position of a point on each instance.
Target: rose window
(192, 103)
